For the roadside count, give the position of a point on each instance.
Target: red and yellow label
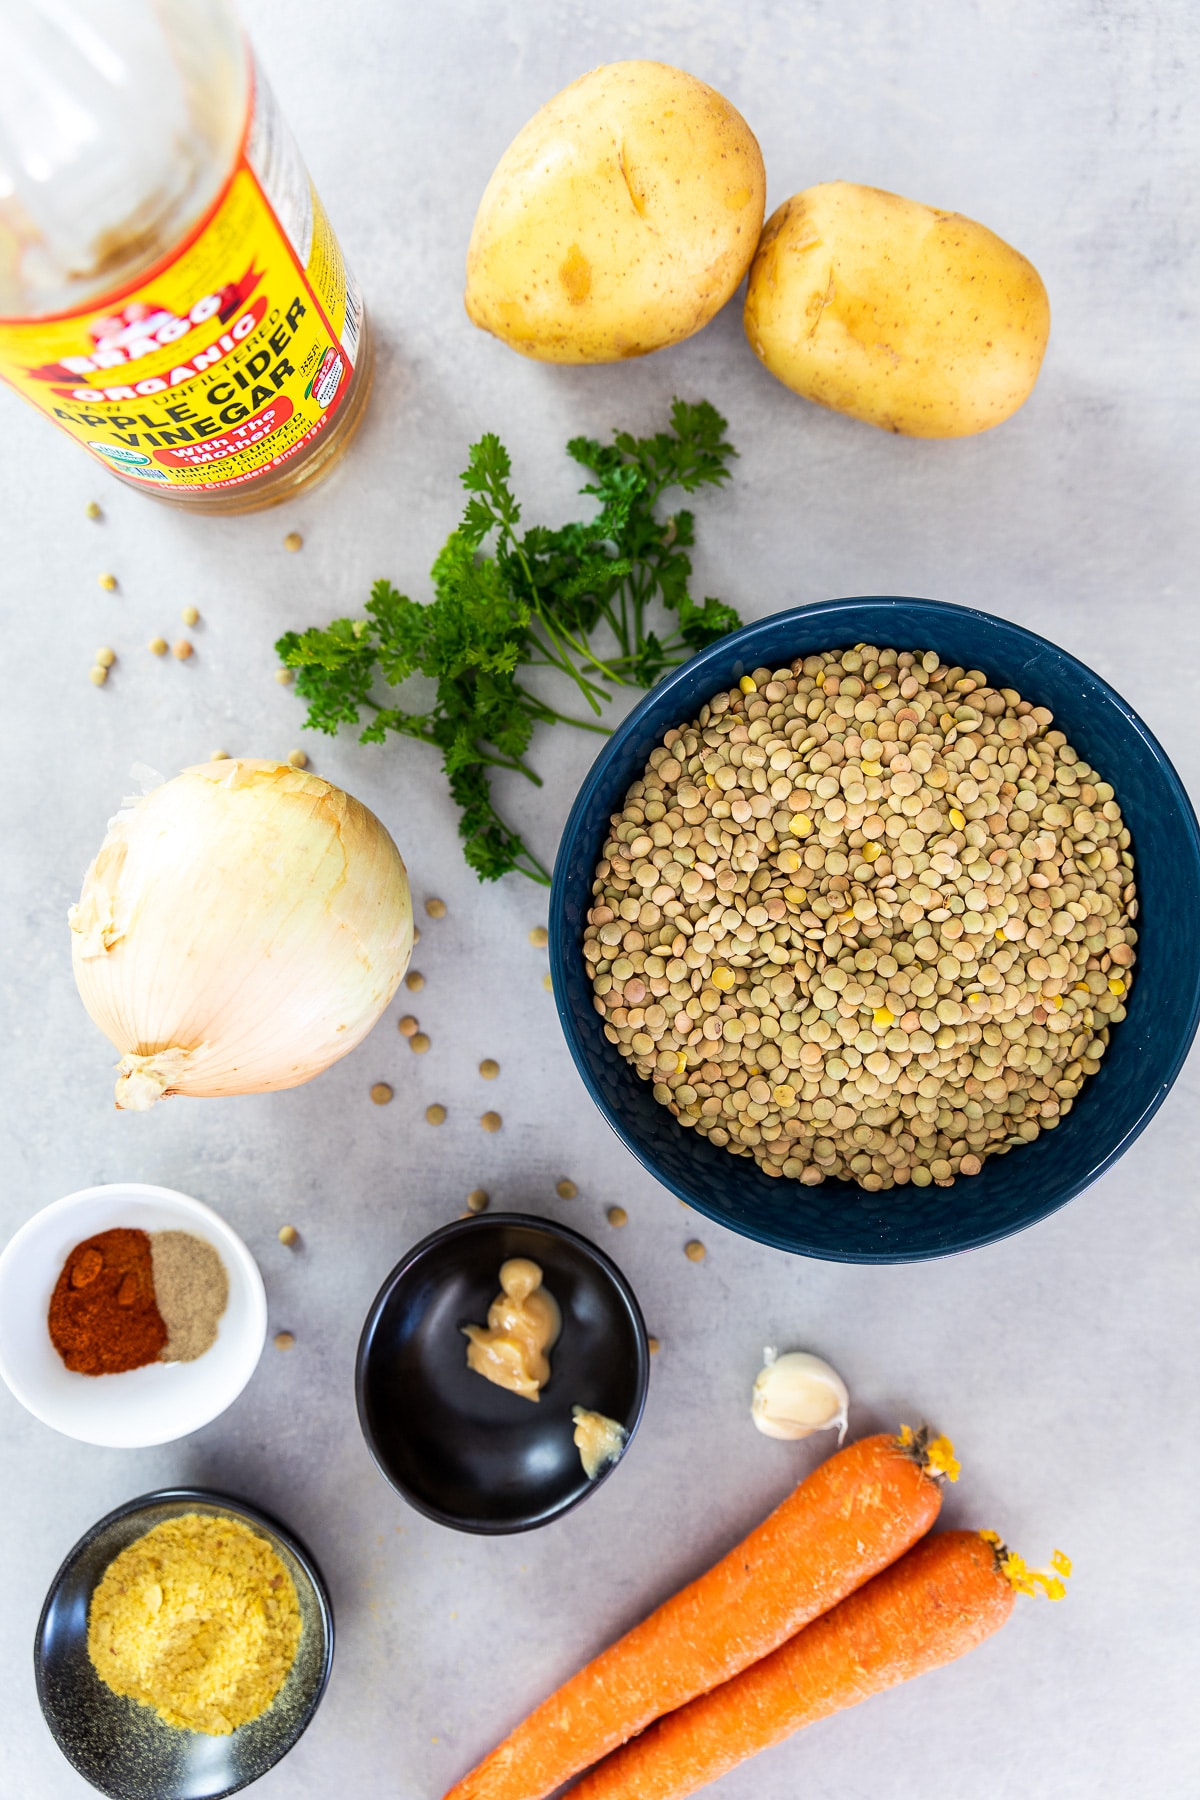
(224, 360)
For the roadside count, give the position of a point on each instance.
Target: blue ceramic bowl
(838, 1220)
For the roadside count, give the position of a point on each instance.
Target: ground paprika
(103, 1317)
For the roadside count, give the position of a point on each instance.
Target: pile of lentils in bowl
(867, 917)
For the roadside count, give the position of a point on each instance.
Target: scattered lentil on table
(218, 756)
(489, 1068)
(407, 1026)
(381, 1093)
(97, 674)
(868, 916)
(159, 646)
(285, 677)
(436, 908)
(539, 937)
(695, 1251)
(298, 759)
(491, 1121)
(293, 541)
(435, 1115)
(566, 1190)
(181, 650)
(288, 1235)
(419, 1042)
(616, 1215)
(92, 510)
(284, 1340)
(653, 1346)
(478, 1200)
(414, 981)
(104, 657)
(107, 582)
(189, 615)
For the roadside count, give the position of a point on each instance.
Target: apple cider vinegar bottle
(171, 292)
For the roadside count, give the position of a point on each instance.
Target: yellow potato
(620, 219)
(915, 320)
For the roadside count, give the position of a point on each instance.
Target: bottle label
(228, 357)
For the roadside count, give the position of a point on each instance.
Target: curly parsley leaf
(573, 599)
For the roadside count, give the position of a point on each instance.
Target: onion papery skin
(242, 927)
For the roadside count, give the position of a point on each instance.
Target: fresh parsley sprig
(575, 599)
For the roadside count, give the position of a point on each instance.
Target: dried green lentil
(566, 1190)
(867, 917)
(477, 1200)
(616, 1215)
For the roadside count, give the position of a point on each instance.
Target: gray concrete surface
(1062, 1362)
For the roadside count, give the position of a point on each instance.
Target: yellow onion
(242, 927)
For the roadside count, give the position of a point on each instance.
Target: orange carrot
(936, 1603)
(849, 1519)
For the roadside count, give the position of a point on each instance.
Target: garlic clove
(797, 1394)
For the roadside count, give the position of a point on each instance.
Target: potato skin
(919, 321)
(620, 219)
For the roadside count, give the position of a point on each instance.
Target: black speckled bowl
(123, 1748)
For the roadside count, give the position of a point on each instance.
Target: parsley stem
(560, 632)
(548, 714)
(519, 767)
(589, 689)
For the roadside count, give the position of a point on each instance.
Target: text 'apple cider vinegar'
(171, 292)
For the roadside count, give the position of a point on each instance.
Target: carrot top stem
(1022, 1578)
(934, 1454)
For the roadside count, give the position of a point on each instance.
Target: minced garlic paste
(198, 1619)
(599, 1441)
(523, 1325)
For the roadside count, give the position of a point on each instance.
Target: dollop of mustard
(524, 1321)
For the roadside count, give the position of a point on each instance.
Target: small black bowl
(457, 1447)
(124, 1749)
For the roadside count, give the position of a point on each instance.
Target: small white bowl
(151, 1405)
